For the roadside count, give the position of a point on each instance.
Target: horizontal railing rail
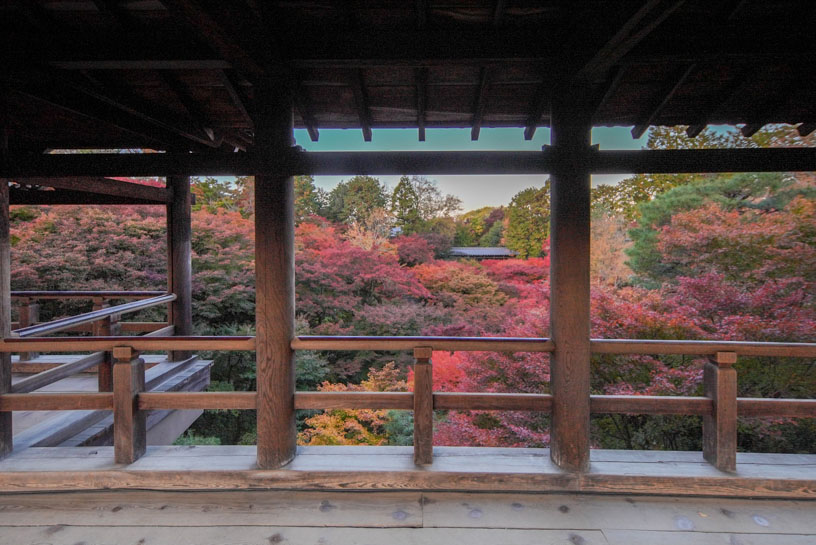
(719, 407)
(104, 294)
(62, 324)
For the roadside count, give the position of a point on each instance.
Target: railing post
(720, 428)
(129, 423)
(29, 315)
(569, 281)
(106, 327)
(423, 406)
(274, 280)
(179, 264)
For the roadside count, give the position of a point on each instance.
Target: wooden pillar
(29, 315)
(179, 265)
(720, 428)
(569, 283)
(129, 423)
(6, 442)
(274, 281)
(423, 406)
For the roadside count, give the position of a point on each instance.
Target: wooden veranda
(217, 88)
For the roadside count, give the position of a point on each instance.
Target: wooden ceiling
(178, 74)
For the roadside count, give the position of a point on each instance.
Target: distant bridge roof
(476, 252)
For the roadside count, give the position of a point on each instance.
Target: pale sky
(475, 191)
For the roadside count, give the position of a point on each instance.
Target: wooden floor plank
(224, 508)
(234, 535)
(631, 537)
(585, 511)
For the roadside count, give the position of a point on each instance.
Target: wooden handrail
(144, 343)
(486, 344)
(87, 317)
(703, 348)
(85, 294)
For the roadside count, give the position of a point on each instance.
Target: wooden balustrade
(719, 407)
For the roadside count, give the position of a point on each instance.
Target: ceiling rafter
(728, 92)
(421, 75)
(357, 84)
(631, 33)
(661, 99)
(479, 103)
(608, 89)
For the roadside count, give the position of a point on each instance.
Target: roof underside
(180, 74)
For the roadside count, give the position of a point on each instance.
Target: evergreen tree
(405, 207)
(528, 223)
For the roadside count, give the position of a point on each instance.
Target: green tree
(528, 224)
(405, 207)
(307, 198)
(354, 200)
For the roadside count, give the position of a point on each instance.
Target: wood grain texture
(29, 313)
(492, 402)
(423, 411)
(91, 344)
(179, 255)
(703, 348)
(789, 408)
(620, 404)
(720, 427)
(487, 344)
(569, 284)
(354, 400)
(129, 424)
(105, 328)
(56, 402)
(104, 186)
(6, 433)
(275, 282)
(196, 400)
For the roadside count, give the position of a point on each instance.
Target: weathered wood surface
(497, 344)
(6, 433)
(569, 281)
(407, 517)
(129, 424)
(179, 264)
(720, 427)
(383, 468)
(93, 344)
(58, 373)
(275, 280)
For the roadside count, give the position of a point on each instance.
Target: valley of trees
(673, 257)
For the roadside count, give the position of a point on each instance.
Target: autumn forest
(673, 257)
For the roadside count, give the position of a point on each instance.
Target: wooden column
(6, 442)
(105, 328)
(423, 406)
(179, 265)
(720, 428)
(29, 315)
(569, 283)
(274, 281)
(129, 423)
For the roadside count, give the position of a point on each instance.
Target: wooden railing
(105, 322)
(719, 407)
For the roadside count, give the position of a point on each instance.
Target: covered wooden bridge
(217, 87)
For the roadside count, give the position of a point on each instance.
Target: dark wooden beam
(806, 128)
(608, 90)
(498, 12)
(750, 129)
(540, 104)
(645, 20)
(662, 99)
(421, 100)
(441, 162)
(304, 109)
(421, 14)
(147, 64)
(235, 96)
(104, 186)
(191, 106)
(361, 102)
(210, 32)
(6, 431)
(58, 197)
(479, 102)
(731, 89)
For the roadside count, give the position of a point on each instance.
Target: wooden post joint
(725, 359)
(423, 354)
(124, 354)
